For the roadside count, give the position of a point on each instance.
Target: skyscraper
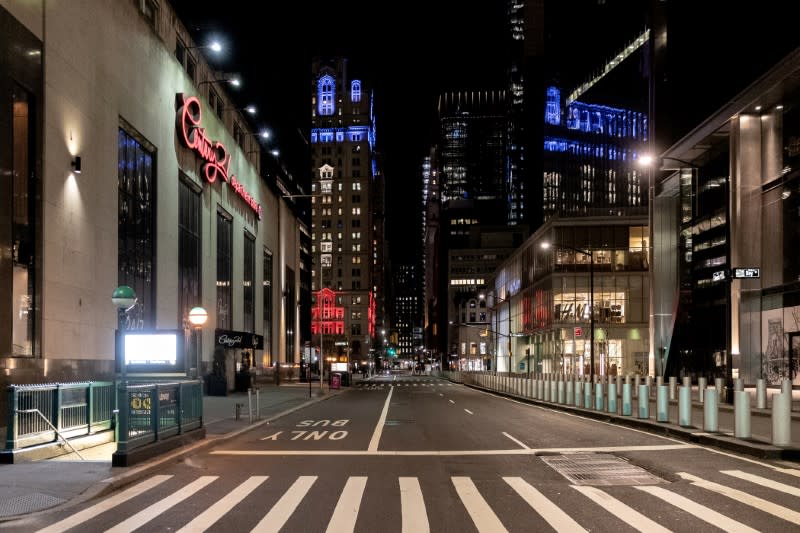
(347, 228)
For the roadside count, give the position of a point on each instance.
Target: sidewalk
(27, 488)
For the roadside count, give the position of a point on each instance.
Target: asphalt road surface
(417, 454)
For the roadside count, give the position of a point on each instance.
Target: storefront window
(248, 282)
(188, 249)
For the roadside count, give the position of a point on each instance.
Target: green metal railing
(39, 414)
(149, 412)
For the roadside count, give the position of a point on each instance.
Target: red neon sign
(214, 153)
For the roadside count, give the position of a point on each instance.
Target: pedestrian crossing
(476, 502)
(367, 385)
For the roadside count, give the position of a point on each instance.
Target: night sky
(408, 52)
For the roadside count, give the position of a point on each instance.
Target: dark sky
(408, 52)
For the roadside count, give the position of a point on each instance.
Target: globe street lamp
(547, 245)
(198, 317)
(124, 298)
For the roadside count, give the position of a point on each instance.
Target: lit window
(355, 90)
(326, 93)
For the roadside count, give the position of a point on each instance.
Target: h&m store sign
(216, 156)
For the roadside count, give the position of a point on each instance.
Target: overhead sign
(746, 272)
(214, 153)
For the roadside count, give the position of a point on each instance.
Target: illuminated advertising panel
(150, 352)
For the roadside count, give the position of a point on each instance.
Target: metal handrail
(58, 433)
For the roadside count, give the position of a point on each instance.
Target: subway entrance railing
(44, 418)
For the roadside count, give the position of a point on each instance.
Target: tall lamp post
(547, 245)
(198, 317)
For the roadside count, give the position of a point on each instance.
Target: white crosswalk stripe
(700, 511)
(281, 511)
(346, 512)
(415, 518)
(553, 507)
(482, 515)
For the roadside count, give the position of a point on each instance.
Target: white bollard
(711, 410)
(673, 387)
(685, 406)
(612, 397)
(761, 393)
(627, 403)
(598, 396)
(644, 401)
(782, 419)
(701, 389)
(719, 384)
(662, 403)
(741, 407)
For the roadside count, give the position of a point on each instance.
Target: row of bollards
(252, 414)
(601, 396)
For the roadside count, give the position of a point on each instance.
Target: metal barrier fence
(149, 412)
(39, 414)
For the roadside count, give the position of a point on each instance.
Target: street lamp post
(546, 245)
(198, 317)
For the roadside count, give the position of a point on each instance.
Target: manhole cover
(600, 469)
(28, 504)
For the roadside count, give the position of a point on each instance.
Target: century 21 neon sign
(216, 156)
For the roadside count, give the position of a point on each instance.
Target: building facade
(131, 167)
(569, 275)
(347, 210)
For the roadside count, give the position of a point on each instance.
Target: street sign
(578, 332)
(746, 272)
(719, 275)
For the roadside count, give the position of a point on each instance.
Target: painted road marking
(747, 499)
(468, 411)
(449, 453)
(414, 515)
(110, 503)
(482, 515)
(376, 435)
(451, 401)
(764, 482)
(147, 514)
(346, 512)
(700, 511)
(558, 519)
(522, 444)
(631, 516)
(281, 511)
(208, 517)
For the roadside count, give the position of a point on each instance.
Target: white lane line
(700, 511)
(414, 517)
(439, 453)
(451, 401)
(281, 511)
(105, 505)
(558, 519)
(145, 515)
(376, 435)
(522, 444)
(482, 515)
(741, 496)
(208, 517)
(468, 411)
(442, 395)
(764, 482)
(346, 512)
(629, 515)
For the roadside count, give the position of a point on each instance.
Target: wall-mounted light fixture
(76, 164)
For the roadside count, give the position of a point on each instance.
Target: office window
(267, 289)
(136, 222)
(224, 270)
(189, 239)
(248, 283)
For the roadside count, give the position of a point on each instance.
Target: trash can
(336, 380)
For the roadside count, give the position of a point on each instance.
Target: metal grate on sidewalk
(599, 469)
(28, 503)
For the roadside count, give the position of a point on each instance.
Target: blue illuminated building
(590, 156)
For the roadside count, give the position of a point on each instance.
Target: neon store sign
(216, 156)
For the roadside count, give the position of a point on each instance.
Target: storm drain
(600, 469)
(28, 504)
